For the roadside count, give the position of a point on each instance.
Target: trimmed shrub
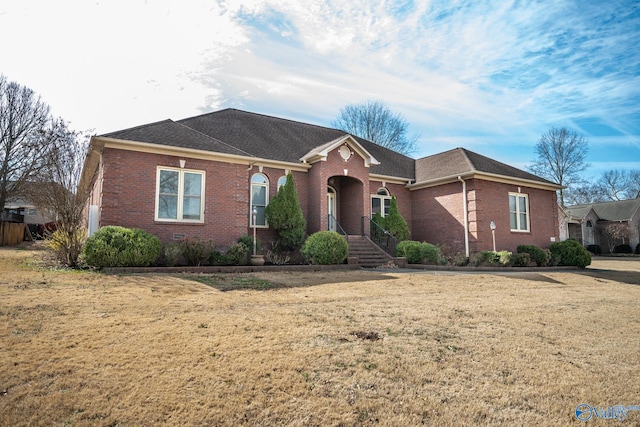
(418, 252)
(570, 252)
(237, 254)
(114, 246)
(197, 252)
(410, 249)
(638, 248)
(623, 249)
(492, 259)
(324, 248)
(521, 259)
(536, 254)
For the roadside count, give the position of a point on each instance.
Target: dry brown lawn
(316, 349)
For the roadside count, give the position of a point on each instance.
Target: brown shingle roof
(170, 133)
(242, 133)
(460, 161)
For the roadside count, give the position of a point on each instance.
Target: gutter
(466, 216)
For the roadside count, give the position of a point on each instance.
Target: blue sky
(487, 76)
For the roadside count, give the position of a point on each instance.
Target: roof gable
(460, 161)
(619, 210)
(320, 153)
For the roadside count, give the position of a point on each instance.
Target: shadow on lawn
(622, 276)
(248, 281)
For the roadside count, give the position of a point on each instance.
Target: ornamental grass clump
(114, 246)
(325, 248)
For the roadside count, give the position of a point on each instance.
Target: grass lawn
(337, 348)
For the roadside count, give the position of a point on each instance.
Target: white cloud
(463, 73)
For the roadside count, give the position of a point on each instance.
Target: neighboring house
(588, 222)
(22, 210)
(201, 177)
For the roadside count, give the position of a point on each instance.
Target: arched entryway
(345, 204)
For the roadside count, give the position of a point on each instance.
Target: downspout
(466, 216)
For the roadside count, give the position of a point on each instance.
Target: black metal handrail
(333, 221)
(378, 235)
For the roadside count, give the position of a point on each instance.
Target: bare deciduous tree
(24, 148)
(375, 122)
(561, 157)
(58, 192)
(616, 184)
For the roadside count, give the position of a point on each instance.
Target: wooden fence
(11, 233)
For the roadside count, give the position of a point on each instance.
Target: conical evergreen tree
(285, 216)
(395, 223)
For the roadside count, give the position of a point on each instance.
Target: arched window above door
(380, 202)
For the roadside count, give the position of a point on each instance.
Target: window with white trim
(380, 202)
(519, 211)
(179, 195)
(259, 199)
(282, 181)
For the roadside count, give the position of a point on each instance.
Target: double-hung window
(519, 211)
(259, 199)
(179, 195)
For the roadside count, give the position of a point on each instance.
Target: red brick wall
(129, 187)
(352, 203)
(489, 201)
(437, 215)
(433, 214)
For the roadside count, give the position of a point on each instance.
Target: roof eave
(487, 177)
(152, 148)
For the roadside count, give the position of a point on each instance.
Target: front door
(331, 208)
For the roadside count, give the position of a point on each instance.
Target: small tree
(395, 223)
(615, 232)
(57, 191)
(285, 216)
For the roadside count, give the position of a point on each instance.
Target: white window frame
(382, 198)
(180, 207)
(266, 197)
(527, 214)
(281, 182)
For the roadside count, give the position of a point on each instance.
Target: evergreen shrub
(114, 246)
(285, 216)
(570, 252)
(538, 255)
(418, 252)
(325, 248)
(623, 249)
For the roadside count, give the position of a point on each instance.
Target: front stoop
(367, 253)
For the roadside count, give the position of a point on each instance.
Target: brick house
(202, 177)
(587, 223)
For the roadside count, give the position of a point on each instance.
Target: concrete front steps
(368, 254)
